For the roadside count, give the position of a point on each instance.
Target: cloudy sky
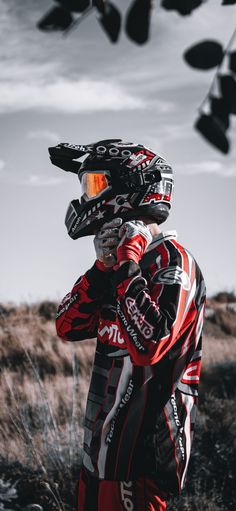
(81, 88)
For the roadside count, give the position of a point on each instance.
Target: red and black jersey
(143, 394)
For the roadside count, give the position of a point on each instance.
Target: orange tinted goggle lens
(93, 183)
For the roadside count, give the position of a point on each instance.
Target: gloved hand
(106, 241)
(135, 238)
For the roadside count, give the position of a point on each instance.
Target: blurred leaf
(228, 91)
(100, 4)
(138, 21)
(212, 130)
(183, 7)
(228, 2)
(219, 109)
(74, 5)
(111, 21)
(232, 61)
(55, 19)
(204, 55)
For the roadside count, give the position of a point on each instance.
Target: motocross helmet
(117, 179)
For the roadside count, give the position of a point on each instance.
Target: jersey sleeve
(153, 316)
(78, 314)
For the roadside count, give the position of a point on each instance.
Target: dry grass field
(44, 384)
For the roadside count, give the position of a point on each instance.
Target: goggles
(93, 183)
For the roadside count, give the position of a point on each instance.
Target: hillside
(44, 384)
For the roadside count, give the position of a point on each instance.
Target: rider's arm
(152, 321)
(78, 314)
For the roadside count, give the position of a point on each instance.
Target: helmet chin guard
(119, 179)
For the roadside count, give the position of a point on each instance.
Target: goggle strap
(139, 180)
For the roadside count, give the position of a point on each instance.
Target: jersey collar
(161, 238)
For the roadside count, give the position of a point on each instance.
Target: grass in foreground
(43, 390)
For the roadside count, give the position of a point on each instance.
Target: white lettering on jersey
(126, 491)
(138, 318)
(113, 333)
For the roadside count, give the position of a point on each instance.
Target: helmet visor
(93, 183)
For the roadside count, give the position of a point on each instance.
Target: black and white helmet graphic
(117, 179)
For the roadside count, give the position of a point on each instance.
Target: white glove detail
(106, 242)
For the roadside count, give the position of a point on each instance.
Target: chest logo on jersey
(111, 333)
(172, 275)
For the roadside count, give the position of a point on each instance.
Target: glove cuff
(124, 254)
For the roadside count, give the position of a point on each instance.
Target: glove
(135, 238)
(105, 243)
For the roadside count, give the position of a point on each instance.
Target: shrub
(225, 297)
(226, 320)
(47, 310)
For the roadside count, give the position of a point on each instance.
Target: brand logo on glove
(139, 320)
(172, 275)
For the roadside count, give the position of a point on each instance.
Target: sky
(81, 88)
